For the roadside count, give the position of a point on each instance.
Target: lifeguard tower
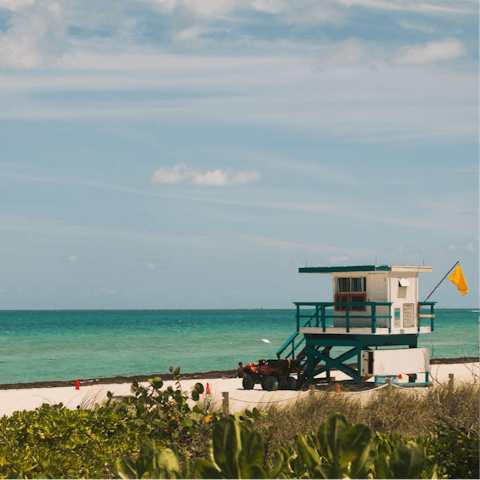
(375, 314)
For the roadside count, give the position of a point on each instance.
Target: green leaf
(382, 467)
(250, 455)
(204, 469)
(276, 468)
(323, 470)
(309, 456)
(168, 464)
(227, 446)
(125, 469)
(357, 448)
(407, 460)
(209, 453)
(187, 467)
(330, 434)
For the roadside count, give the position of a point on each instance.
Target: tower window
(343, 285)
(347, 285)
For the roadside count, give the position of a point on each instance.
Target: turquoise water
(69, 344)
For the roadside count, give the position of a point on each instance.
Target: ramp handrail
(431, 315)
(292, 338)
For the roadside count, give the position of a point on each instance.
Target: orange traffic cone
(208, 392)
(400, 377)
(338, 388)
(77, 385)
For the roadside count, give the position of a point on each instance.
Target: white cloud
(36, 34)
(452, 248)
(108, 291)
(150, 266)
(305, 12)
(302, 11)
(351, 53)
(181, 173)
(470, 248)
(426, 7)
(211, 8)
(15, 4)
(355, 104)
(433, 51)
(72, 258)
(416, 26)
(323, 169)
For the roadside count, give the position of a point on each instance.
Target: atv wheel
(270, 384)
(248, 382)
(291, 383)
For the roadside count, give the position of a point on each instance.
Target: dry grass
(402, 411)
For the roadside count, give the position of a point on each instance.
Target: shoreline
(119, 379)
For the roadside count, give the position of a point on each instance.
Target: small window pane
(358, 284)
(403, 282)
(343, 285)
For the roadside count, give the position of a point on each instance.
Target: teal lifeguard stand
(375, 314)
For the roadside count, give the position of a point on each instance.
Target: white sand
(239, 399)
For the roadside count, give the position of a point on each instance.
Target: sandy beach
(91, 391)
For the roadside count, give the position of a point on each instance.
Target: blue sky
(194, 154)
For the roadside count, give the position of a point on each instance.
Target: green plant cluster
(56, 442)
(167, 433)
(339, 450)
(456, 452)
(164, 416)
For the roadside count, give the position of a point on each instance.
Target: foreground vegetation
(157, 434)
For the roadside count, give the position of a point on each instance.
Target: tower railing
(319, 316)
(430, 315)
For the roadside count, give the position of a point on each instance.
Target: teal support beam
(323, 317)
(314, 356)
(330, 363)
(298, 318)
(359, 363)
(374, 318)
(389, 319)
(347, 315)
(316, 316)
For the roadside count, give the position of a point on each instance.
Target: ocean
(85, 344)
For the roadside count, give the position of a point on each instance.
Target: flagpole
(431, 293)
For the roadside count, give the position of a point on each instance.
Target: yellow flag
(459, 280)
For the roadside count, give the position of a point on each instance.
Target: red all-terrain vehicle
(271, 374)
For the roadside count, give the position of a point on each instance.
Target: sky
(193, 154)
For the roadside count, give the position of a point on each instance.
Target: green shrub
(55, 442)
(339, 450)
(61, 443)
(165, 416)
(456, 452)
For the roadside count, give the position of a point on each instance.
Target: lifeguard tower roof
(367, 268)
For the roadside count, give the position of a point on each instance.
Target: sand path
(239, 399)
